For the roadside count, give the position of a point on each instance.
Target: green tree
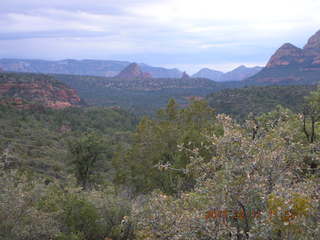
(85, 152)
(311, 115)
(248, 189)
(157, 143)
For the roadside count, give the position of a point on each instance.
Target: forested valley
(188, 172)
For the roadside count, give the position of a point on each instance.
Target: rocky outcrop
(293, 64)
(313, 42)
(26, 90)
(312, 48)
(285, 55)
(133, 72)
(289, 54)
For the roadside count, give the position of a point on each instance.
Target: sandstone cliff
(26, 90)
(291, 64)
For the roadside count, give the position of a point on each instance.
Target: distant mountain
(185, 76)
(159, 72)
(104, 68)
(27, 90)
(133, 72)
(68, 66)
(237, 74)
(292, 64)
(208, 73)
(240, 73)
(1, 70)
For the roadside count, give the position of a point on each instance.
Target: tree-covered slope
(188, 174)
(37, 139)
(240, 102)
(143, 96)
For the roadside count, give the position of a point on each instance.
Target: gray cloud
(153, 31)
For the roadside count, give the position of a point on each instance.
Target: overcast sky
(188, 34)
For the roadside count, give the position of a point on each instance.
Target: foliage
(19, 216)
(251, 188)
(36, 140)
(134, 94)
(32, 210)
(156, 146)
(85, 152)
(194, 175)
(239, 103)
(311, 115)
(225, 97)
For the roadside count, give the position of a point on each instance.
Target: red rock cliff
(32, 89)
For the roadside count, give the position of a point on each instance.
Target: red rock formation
(46, 92)
(285, 55)
(312, 48)
(291, 63)
(290, 54)
(132, 72)
(313, 42)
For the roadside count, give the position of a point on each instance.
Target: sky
(188, 34)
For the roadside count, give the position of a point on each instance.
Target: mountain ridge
(87, 67)
(237, 74)
(208, 73)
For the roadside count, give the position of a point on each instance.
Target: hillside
(143, 96)
(133, 92)
(36, 139)
(25, 90)
(240, 102)
(291, 64)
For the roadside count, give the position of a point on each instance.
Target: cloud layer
(160, 32)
